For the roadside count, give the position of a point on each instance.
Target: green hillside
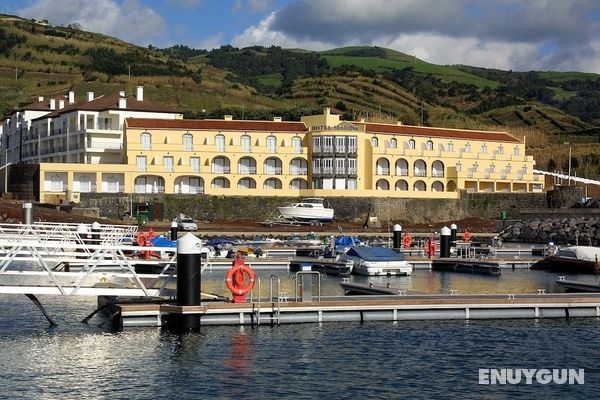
(258, 82)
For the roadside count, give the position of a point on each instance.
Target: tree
(551, 165)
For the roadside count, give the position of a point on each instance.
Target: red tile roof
(104, 103)
(439, 132)
(216, 124)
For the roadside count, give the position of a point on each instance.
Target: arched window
(374, 142)
(220, 165)
(437, 186)
(297, 144)
(272, 166)
(393, 143)
(402, 185)
(484, 149)
(146, 141)
(298, 183)
(272, 183)
(383, 184)
(412, 144)
(402, 167)
(220, 142)
(298, 166)
(437, 169)
(429, 145)
(419, 186)
(246, 143)
(220, 183)
(271, 144)
(383, 166)
(247, 166)
(188, 142)
(246, 183)
(420, 168)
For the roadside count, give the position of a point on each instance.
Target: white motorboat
(310, 209)
(374, 261)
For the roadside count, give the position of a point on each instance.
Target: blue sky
(507, 34)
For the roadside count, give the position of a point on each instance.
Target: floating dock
(470, 266)
(375, 308)
(324, 265)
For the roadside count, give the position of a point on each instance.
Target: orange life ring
(236, 281)
(141, 239)
(407, 241)
(466, 236)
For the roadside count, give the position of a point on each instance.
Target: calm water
(418, 359)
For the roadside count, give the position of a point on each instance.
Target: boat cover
(347, 241)
(586, 253)
(161, 241)
(219, 241)
(375, 254)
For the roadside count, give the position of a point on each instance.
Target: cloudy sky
(508, 34)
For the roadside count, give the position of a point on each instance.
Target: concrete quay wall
(347, 210)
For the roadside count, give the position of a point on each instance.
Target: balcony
(383, 171)
(420, 174)
(247, 170)
(273, 171)
(437, 174)
(401, 172)
(298, 171)
(216, 169)
(327, 149)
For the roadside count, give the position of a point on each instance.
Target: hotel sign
(341, 127)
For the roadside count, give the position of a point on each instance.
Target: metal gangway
(49, 258)
(585, 181)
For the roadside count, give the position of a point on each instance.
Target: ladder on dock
(274, 314)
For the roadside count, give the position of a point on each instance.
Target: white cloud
(128, 21)
(536, 34)
(212, 42)
(262, 34)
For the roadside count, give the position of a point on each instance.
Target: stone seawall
(581, 231)
(349, 210)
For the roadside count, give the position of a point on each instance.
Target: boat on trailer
(309, 209)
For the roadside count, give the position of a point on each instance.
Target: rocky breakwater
(581, 231)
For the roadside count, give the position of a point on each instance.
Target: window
(500, 149)
(246, 144)
(476, 167)
(340, 166)
(484, 149)
(411, 144)
(351, 144)
(374, 142)
(220, 142)
(429, 145)
(297, 145)
(188, 142)
(146, 140)
(195, 164)
(351, 162)
(168, 163)
(316, 165)
(467, 148)
(141, 163)
(317, 144)
(458, 166)
(450, 146)
(328, 165)
(393, 143)
(516, 151)
(351, 183)
(327, 144)
(272, 144)
(340, 144)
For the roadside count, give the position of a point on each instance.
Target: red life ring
(466, 236)
(235, 278)
(407, 241)
(141, 239)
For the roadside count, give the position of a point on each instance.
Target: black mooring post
(445, 242)
(188, 280)
(397, 238)
(95, 233)
(453, 229)
(173, 230)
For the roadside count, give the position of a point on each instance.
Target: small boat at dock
(575, 259)
(374, 261)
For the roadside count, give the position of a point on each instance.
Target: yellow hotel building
(318, 156)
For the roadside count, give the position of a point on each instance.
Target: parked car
(186, 224)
